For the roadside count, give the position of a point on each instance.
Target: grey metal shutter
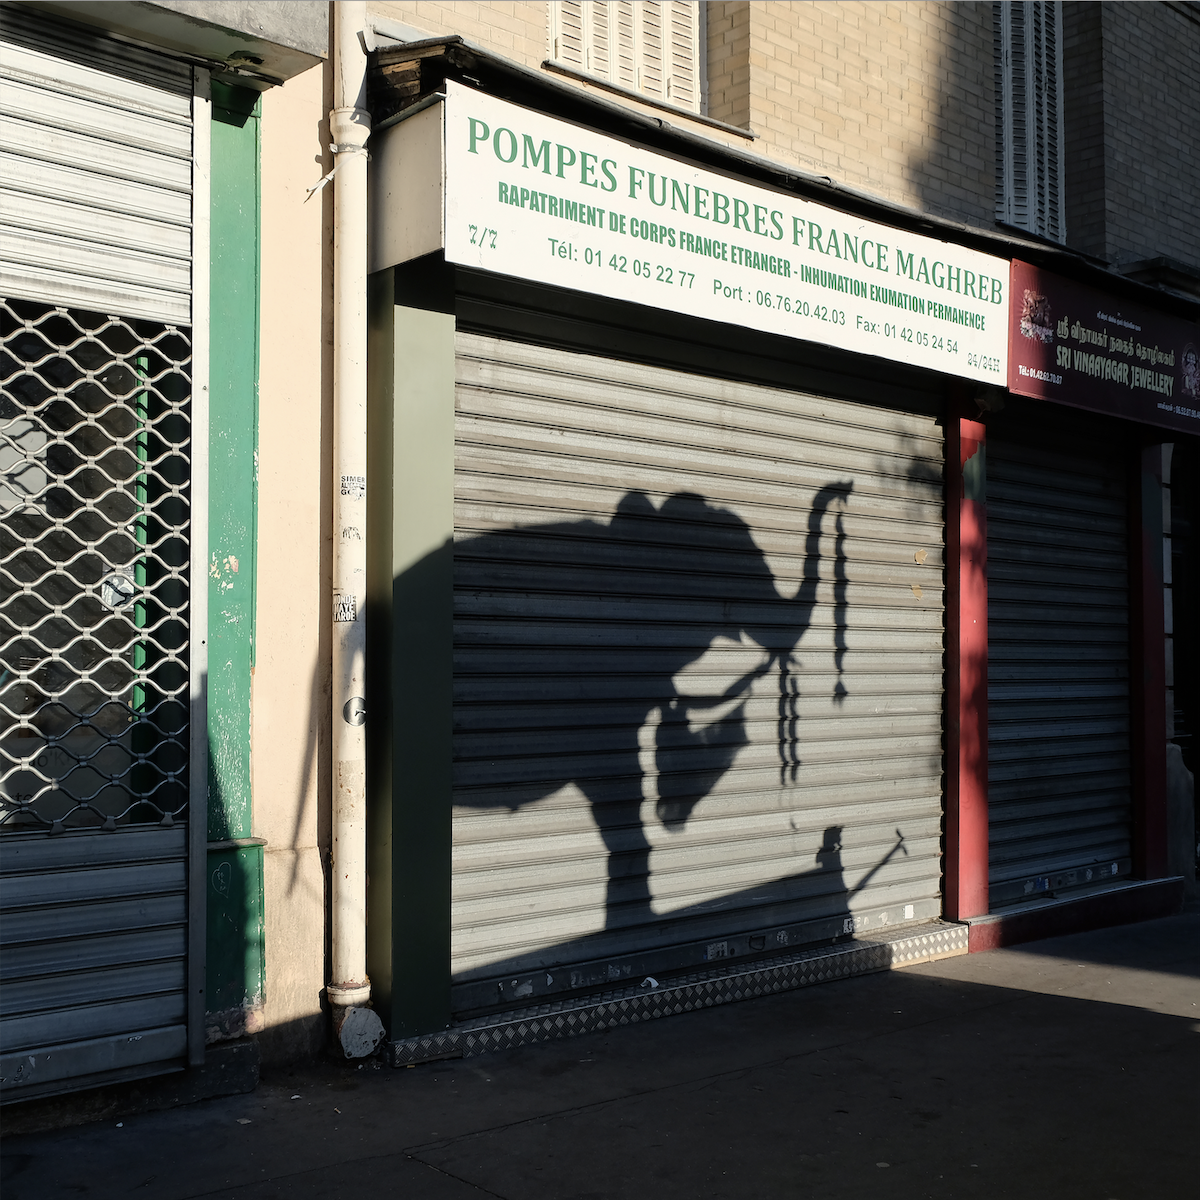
(698, 631)
(1058, 668)
(94, 940)
(100, 946)
(95, 171)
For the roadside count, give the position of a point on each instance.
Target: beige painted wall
(290, 721)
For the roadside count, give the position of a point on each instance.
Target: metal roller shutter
(94, 940)
(97, 684)
(1058, 668)
(698, 631)
(95, 171)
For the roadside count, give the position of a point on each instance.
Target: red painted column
(1147, 666)
(966, 862)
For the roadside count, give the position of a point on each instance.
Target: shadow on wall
(234, 936)
(596, 620)
(953, 173)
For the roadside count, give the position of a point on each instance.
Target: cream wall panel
(290, 724)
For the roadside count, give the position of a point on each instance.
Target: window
(1029, 117)
(648, 47)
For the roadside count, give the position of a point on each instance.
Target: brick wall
(896, 99)
(1083, 122)
(729, 62)
(514, 28)
(1152, 115)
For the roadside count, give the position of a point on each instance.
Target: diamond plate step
(703, 989)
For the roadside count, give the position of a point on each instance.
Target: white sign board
(541, 199)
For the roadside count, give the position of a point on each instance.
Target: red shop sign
(1077, 345)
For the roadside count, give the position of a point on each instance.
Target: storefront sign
(1077, 345)
(540, 199)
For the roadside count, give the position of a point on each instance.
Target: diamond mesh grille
(94, 491)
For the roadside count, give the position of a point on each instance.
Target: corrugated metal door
(698, 675)
(99, 687)
(95, 171)
(1058, 667)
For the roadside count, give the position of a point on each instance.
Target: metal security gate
(698, 681)
(1058, 668)
(101, 689)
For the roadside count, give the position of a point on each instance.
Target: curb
(1120, 904)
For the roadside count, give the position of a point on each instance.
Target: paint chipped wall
(290, 725)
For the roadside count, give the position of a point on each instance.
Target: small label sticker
(116, 591)
(354, 486)
(716, 950)
(345, 608)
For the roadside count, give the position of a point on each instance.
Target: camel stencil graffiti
(707, 597)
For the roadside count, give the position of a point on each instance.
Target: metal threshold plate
(703, 989)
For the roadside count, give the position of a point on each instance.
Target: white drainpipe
(358, 1028)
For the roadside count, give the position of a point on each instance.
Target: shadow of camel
(659, 585)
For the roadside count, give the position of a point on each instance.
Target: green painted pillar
(410, 629)
(235, 967)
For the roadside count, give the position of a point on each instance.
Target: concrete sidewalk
(1064, 1068)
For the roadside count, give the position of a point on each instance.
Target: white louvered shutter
(569, 44)
(683, 54)
(649, 47)
(1029, 117)
(651, 57)
(625, 58)
(598, 39)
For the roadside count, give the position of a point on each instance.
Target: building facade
(773, 510)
